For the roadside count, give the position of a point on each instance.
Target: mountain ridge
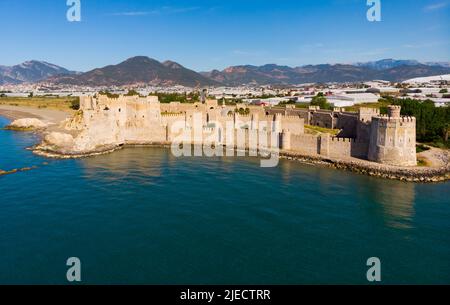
(143, 70)
(387, 69)
(137, 70)
(30, 71)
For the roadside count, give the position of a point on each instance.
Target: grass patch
(421, 148)
(316, 130)
(379, 105)
(58, 103)
(13, 128)
(439, 144)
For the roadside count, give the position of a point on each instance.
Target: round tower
(393, 139)
(394, 111)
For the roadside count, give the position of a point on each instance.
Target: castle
(103, 121)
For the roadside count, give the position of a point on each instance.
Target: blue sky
(207, 34)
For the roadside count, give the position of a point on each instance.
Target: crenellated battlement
(405, 119)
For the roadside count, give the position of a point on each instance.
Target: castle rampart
(388, 139)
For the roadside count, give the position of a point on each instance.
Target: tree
(132, 92)
(443, 91)
(321, 101)
(432, 123)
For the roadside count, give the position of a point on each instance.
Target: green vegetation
(422, 162)
(317, 130)
(443, 91)
(433, 123)
(286, 103)
(177, 97)
(59, 103)
(75, 104)
(132, 93)
(382, 104)
(242, 111)
(321, 101)
(232, 102)
(421, 148)
(14, 128)
(109, 94)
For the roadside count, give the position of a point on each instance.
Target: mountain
(30, 72)
(142, 70)
(137, 70)
(273, 74)
(267, 74)
(402, 73)
(387, 64)
(445, 64)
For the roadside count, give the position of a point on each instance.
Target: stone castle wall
(131, 119)
(393, 141)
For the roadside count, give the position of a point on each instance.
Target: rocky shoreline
(424, 175)
(415, 174)
(409, 174)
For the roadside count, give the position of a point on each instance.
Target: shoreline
(360, 166)
(363, 167)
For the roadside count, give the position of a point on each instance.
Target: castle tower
(276, 124)
(394, 111)
(365, 114)
(393, 139)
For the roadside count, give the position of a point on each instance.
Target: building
(347, 100)
(104, 123)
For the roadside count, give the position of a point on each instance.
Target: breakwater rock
(411, 174)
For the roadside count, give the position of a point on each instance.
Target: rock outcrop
(59, 140)
(27, 124)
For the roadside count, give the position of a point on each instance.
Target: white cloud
(436, 6)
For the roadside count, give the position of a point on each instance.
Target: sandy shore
(44, 114)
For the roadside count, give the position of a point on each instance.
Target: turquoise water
(141, 216)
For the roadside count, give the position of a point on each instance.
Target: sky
(210, 34)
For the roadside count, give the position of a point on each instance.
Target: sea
(142, 216)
